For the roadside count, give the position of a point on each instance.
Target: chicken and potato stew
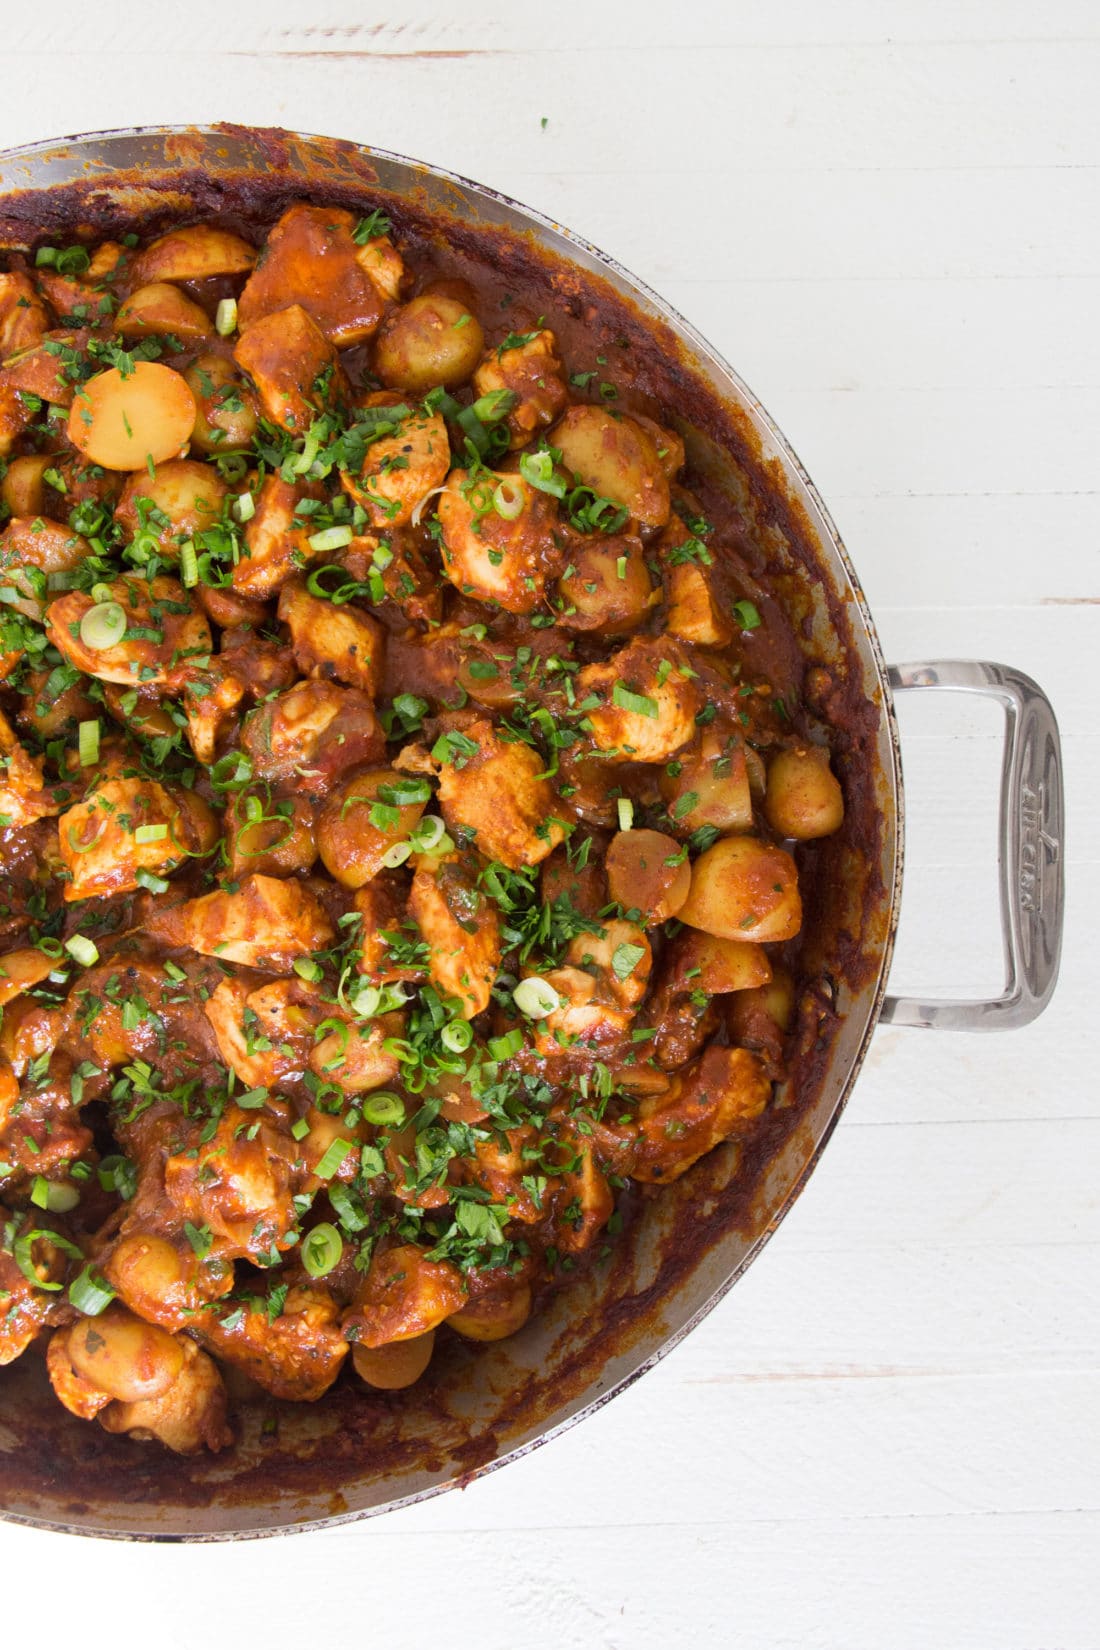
(398, 814)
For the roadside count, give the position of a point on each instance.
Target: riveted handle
(1030, 850)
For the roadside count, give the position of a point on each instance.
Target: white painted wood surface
(887, 215)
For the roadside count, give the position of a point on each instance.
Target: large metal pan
(359, 1453)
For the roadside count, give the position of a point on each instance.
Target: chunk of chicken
(694, 613)
(720, 1095)
(403, 1294)
(276, 541)
(313, 733)
(499, 793)
(264, 1032)
(265, 923)
(642, 703)
(384, 265)
(311, 260)
(510, 560)
(402, 468)
(293, 367)
(165, 640)
(100, 843)
(619, 960)
(24, 1310)
(585, 1203)
(341, 643)
(296, 1356)
(581, 1021)
(33, 549)
(533, 373)
(462, 930)
(24, 796)
(237, 1183)
(23, 317)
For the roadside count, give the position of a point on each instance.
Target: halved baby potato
(124, 423)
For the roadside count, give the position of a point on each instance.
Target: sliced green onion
(626, 813)
(251, 1099)
(508, 500)
(151, 833)
(639, 704)
(396, 855)
(103, 626)
(90, 1293)
(536, 997)
(331, 538)
(626, 959)
(88, 743)
(366, 1001)
(59, 1197)
(307, 969)
(384, 1108)
(245, 507)
(118, 1174)
(748, 616)
(332, 1159)
(502, 1048)
(428, 834)
(231, 771)
(189, 564)
(456, 1036)
(82, 950)
(321, 1250)
(151, 883)
(538, 469)
(299, 1128)
(23, 1254)
(225, 317)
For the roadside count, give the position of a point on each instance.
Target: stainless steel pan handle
(1030, 849)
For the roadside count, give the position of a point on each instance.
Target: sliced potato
(162, 308)
(710, 963)
(22, 489)
(193, 253)
(606, 589)
(124, 423)
(398, 1365)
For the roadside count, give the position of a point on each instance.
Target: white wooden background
(887, 215)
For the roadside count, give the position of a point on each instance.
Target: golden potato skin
(433, 339)
(225, 406)
(618, 459)
(744, 889)
(803, 799)
(352, 846)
